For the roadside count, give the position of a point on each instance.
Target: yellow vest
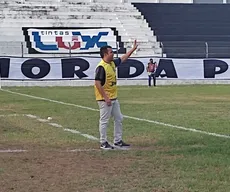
(110, 86)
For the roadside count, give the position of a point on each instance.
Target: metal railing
(19, 49)
(206, 49)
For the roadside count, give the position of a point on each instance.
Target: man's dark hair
(104, 50)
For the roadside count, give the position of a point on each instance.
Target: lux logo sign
(87, 42)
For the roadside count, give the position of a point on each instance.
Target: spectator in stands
(106, 95)
(151, 69)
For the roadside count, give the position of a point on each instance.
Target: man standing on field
(106, 95)
(151, 69)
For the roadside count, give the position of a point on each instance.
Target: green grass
(163, 158)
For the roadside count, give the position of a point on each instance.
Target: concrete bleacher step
(81, 19)
(127, 20)
(58, 16)
(59, 23)
(75, 5)
(107, 1)
(146, 54)
(40, 1)
(31, 8)
(12, 38)
(61, 14)
(76, 1)
(96, 16)
(143, 1)
(37, 20)
(93, 7)
(32, 5)
(10, 32)
(134, 33)
(29, 5)
(16, 49)
(106, 14)
(43, 2)
(140, 45)
(129, 28)
(129, 38)
(106, 4)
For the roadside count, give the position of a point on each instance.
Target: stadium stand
(190, 30)
(124, 17)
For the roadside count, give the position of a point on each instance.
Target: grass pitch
(162, 159)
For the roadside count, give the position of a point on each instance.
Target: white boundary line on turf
(12, 150)
(60, 126)
(68, 151)
(11, 115)
(82, 150)
(129, 117)
(53, 124)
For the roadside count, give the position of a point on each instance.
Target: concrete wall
(161, 1)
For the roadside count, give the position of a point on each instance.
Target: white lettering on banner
(133, 68)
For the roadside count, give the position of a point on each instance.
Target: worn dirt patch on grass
(212, 97)
(10, 108)
(58, 171)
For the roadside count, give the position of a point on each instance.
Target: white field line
(10, 115)
(83, 150)
(129, 117)
(64, 129)
(12, 151)
(179, 127)
(23, 151)
(53, 124)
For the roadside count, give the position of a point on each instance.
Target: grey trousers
(105, 113)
